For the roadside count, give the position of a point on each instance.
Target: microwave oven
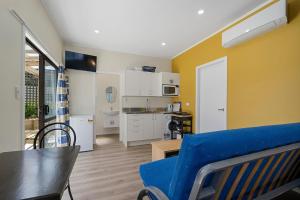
(170, 90)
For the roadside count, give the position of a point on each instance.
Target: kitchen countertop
(159, 112)
(135, 111)
(145, 112)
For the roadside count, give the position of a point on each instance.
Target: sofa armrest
(152, 191)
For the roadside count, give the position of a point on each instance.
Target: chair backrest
(56, 127)
(250, 176)
(202, 149)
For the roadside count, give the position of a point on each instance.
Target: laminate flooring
(110, 172)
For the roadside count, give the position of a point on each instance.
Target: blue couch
(175, 176)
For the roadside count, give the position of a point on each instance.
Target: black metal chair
(57, 126)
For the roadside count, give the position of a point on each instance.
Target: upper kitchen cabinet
(168, 78)
(169, 84)
(147, 84)
(138, 83)
(133, 80)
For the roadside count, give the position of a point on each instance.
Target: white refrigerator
(84, 129)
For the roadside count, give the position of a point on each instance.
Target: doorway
(211, 96)
(107, 108)
(39, 92)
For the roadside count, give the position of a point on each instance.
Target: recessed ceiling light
(96, 31)
(247, 30)
(200, 12)
(163, 44)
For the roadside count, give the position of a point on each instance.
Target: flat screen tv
(80, 61)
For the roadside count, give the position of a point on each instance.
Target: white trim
(26, 32)
(226, 26)
(22, 90)
(197, 98)
(33, 38)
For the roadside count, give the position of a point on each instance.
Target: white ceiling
(140, 26)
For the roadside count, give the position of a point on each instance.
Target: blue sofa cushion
(158, 173)
(201, 149)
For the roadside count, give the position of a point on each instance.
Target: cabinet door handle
(221, 109)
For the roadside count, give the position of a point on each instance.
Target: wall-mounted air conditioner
(262, 22)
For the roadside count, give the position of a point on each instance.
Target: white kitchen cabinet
(159, 125)
(139, 127)
(138, 83)
(147, 127)
(133, 80)
(146, 84)
(149, 84)
(134, 127)
(155, 84)
(169, 78)
(143, 127)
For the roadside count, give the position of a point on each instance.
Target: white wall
(101, 105)
(116, 62)
(11, 62)
(82, 92)
(107, 62)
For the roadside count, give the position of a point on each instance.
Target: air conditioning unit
(264, 21)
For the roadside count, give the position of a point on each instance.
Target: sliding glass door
(50, 91)
(40, 92)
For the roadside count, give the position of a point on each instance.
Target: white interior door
(211, 97)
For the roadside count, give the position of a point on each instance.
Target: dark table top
(36, 174)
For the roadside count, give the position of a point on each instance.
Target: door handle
(46, 109)
(221, 109)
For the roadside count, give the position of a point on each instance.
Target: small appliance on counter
(174, 107)
(177, 107)
(169, 107)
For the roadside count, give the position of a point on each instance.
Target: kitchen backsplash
(145, 102)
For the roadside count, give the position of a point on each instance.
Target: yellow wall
(263, 74)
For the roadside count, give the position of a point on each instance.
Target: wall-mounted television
(80, 61)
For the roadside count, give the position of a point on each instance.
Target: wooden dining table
(36, 174)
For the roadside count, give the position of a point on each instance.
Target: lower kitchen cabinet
(143, 127)
(159, 126)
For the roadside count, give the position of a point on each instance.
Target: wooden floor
(110, 172)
